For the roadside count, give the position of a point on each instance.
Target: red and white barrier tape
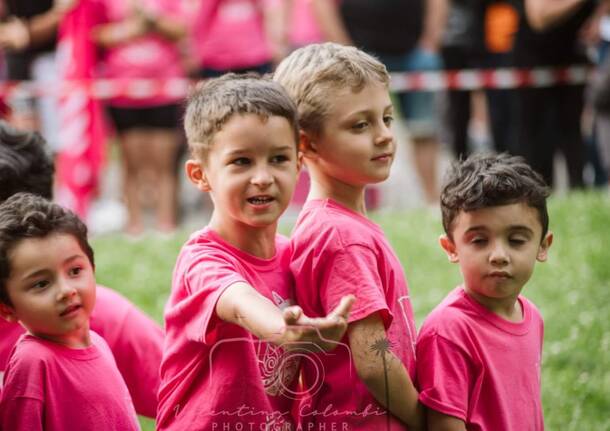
(414, 81)
(489, 78)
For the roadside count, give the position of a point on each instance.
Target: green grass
(572, 290)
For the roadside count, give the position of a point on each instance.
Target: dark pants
(550, 121)
(501, 103)
(457, 113)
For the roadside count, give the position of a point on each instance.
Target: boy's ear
(545, 244)
(449, 246)
(195, 173)
(307, 145)
(7, 312)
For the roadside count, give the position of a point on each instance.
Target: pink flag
(82, 135)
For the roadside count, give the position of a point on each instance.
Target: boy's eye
(41, 284)
(279, 158)
(517, 241)
(388, 119)
(75, 271)
(361, 125)
(241, 161)
(478, 241)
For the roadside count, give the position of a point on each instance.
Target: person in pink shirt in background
(479, 351)
(60, 375)
(345, 115)
(233, 344)
(134, 338)
(139, 38)
(238, 36)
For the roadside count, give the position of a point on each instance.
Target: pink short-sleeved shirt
(216, 375)
(230, 34)
(52, 387)
(135, 340)
(151, 56)
(337, 252)
(480, 368)
(304, 28)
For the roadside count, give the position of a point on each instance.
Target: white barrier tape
(177, 88)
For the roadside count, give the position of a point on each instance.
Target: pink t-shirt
(134, 339)
(480, 368)
(304, 28)
(336, 252)
(52, 387)
(151, 56)
(216, 375)
(230, 34)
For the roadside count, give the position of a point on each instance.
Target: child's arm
(21, 413)
(438, 421)
(383, 373)
(242, 305)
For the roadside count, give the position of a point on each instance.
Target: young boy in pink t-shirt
(345, 114)
(479, 351)
(134, 338)
(233, 344)
(60, 375)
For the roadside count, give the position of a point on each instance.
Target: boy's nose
(385, 135)
(66, 290)
(498, 255)
(262, 178)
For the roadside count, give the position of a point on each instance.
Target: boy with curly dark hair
(479, 351)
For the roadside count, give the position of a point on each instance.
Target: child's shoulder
(30, 352)
(450, 318)
(335, 225)
(531, 308)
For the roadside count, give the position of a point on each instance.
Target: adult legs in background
(456, 115)
(164, 148)
(550, 120)
(134, 150)
(419, 108)
(149, 144)
(571, 142)
(535, 106)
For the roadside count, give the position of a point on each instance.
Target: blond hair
(214, 102)
(309, 73)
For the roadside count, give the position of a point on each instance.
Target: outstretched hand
(316, 333)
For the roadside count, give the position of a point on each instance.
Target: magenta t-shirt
(480, 368)
(303, 28)
(337, 252)
(52, 387)
(151, 56)
(134, 339)
(230, 34)
(214, 374)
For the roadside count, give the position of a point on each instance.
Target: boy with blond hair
(345, 114)
(229, 358)
(479, 351)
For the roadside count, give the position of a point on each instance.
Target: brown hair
(311, 72)
(24, 216)
(488, 180)
(215, 101)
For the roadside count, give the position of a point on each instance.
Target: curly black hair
(487, 180)
(25, 215)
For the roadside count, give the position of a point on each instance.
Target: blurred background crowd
(46, 42)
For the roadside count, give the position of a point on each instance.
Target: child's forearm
(244, 306)
(383, 373)
(401, 397)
